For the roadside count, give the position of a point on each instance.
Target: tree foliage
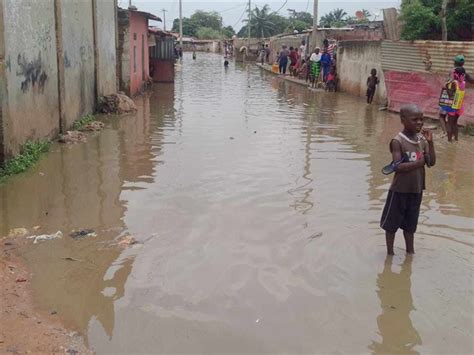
(266, 23)
(204, 25)
(335, 18)
(421, 19)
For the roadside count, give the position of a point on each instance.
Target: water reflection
(394, 323)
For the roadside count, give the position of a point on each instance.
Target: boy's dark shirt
(372, 81)
(411, 181)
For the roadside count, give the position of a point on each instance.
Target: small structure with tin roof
(132, 52)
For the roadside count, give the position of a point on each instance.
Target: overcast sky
(232, 11)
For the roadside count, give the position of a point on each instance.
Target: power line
(240, 18)
(233, 8)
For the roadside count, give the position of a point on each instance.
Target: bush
(29, 155)
(83, 121)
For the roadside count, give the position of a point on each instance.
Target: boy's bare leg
(390, 239)
(455, 127)
(449, 129)
(442, 122)
(409, 242)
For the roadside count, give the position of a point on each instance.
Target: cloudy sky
(232, 11)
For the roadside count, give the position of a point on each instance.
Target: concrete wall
(105, 32)
(47, 65)
(78, 55)
(123, 51)
(30, 106)
(355, 59)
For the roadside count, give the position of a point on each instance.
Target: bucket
(275, 69)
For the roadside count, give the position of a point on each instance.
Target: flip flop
(390, 168)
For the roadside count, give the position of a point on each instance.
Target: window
(134, 59)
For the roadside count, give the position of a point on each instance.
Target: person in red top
(294, 58)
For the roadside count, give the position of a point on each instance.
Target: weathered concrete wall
(30, 82)
(355, 59)
(78, 54)
(105, 31)
(139, 67)
(3, 99)
(338, 34)
(292, 40)
(123, 51)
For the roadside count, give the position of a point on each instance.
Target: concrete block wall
(105, 45)
(355, 59)
(29, 74)
(77, 40)
(48, 73)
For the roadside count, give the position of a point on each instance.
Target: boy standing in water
(372, 82)
(414, 148)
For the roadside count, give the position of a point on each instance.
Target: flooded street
(256, 205)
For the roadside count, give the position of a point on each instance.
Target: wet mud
(255, 207)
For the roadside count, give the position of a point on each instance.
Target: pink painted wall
(423, 89)
(138, 35)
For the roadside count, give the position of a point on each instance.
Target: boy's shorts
(401, 211)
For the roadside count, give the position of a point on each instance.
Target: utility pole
(181, 24)
(164, 19)
(250, 18)
(315, 17)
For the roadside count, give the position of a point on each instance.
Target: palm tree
(335, 18)
(261, 23)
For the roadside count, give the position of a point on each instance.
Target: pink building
(132, 52)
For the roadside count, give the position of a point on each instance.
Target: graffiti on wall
(32, 72)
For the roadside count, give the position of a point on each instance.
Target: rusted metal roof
(425, 56)
(147, 15)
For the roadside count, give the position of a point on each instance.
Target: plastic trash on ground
(43, 237)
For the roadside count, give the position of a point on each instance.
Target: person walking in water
(449, 115)
(372, 82)
(283, 60)
(411, 150)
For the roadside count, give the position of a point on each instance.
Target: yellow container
(275, 69)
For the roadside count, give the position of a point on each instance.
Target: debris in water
(70, 259)
(83, 233)
(385, 108)
(231, 138)
(53, 313)
(315, 235)
(116, 103)
(35, 228)
(21, 279)
(57, 235)
(258, 320)
(18, 232)
(72, 137)
(126, 241)
(305, 105)
(93, 126)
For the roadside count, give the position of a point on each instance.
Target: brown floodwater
(256, 204)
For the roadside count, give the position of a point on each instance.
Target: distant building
(132, 53)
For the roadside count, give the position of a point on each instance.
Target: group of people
(319, 67)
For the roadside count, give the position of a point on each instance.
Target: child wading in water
(372, 82)
(411, 150)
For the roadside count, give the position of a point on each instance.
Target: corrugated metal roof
(425, 56)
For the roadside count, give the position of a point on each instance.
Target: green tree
(228, 32)
(189, 27)
(208, 33)
(419, 21)
(260, 22)
(210, 19)
(422, 19)
(335, 18)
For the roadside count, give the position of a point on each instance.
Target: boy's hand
(427, 134)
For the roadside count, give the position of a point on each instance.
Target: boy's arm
(368, 81)
(431, 159)
(396, 149)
